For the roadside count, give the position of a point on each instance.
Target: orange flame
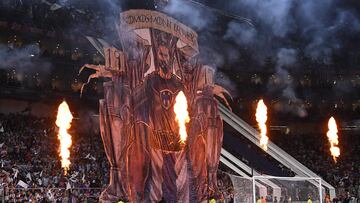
(333, 138)
(182, 115)
(261, 117)
(63, 121)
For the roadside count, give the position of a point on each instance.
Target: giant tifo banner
(159, 120)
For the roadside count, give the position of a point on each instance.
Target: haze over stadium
(236, 101)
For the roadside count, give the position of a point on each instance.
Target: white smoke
(190, 14)
(319, 25)
(289, 102)
(25, 58)
(245, 33)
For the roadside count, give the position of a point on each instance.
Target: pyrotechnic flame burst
(182, 114)
(63, 121)
(333, 138)
(261, 117)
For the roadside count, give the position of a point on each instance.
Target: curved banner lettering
(137, 19)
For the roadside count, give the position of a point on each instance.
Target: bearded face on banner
(164, 52)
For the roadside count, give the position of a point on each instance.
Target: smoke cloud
(102, 18)
(25, 58)
(283, 83)
(191, 14)
(284, 31)
(319, 26)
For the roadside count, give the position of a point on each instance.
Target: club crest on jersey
(166, 97)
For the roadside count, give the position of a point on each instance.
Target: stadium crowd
(31, 170)
(313, 151)
(29, 159)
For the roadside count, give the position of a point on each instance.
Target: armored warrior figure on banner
(149, 163)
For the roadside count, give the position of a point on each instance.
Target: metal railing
(253, 135)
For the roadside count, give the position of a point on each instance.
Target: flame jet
(182, 115)
(333, 138)
(63, 121)
(261, 117)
